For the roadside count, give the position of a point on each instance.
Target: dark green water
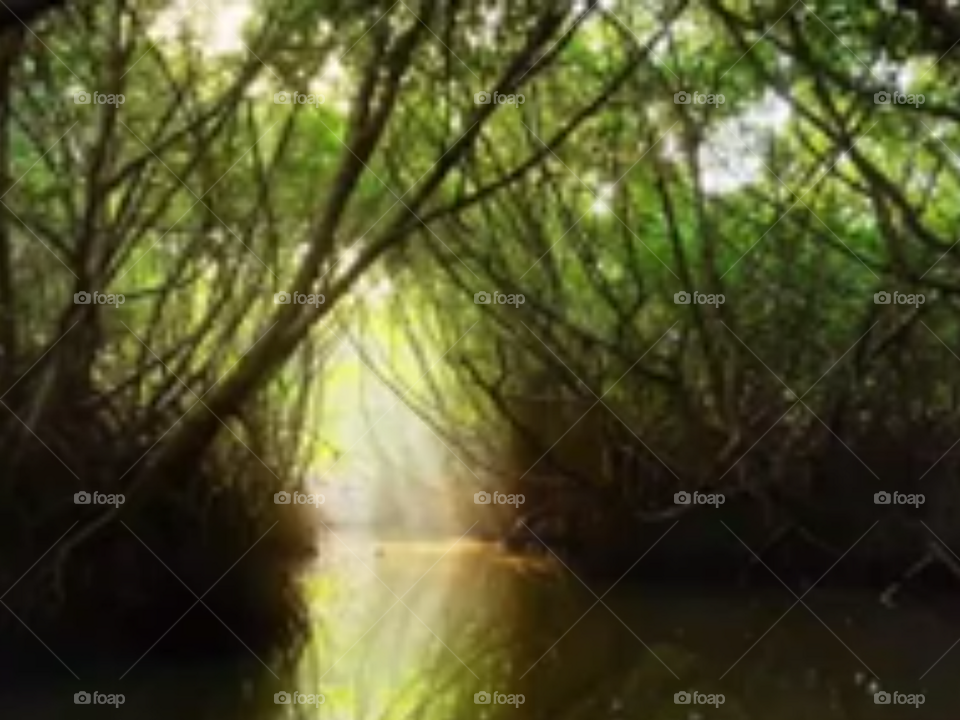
(415, 630)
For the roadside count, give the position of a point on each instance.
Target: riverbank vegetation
(754, 297)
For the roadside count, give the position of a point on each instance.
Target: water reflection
(416, 630)
(476, 620)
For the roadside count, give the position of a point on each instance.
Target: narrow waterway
(417, 629)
